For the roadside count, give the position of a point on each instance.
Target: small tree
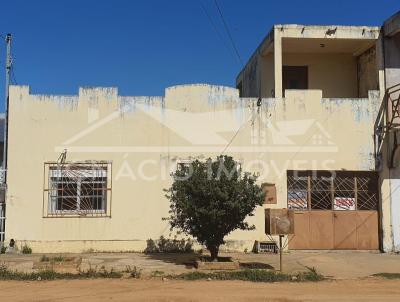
(211, 199)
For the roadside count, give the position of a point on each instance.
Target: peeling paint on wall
(363, 110)
(64, 102)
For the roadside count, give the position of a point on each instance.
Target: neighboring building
(88, 171)
(341, 64)
(387, 135)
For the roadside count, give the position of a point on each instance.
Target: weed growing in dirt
(26, 249)
(157, 273)
(388, 275)
(254, 275)
(44, 258)
(54, 259)
(59, 258)
(6, 274)
(134, 272)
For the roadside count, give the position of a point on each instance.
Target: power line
(228, 32)
(230, 52)
(214, 26)
(236, 133)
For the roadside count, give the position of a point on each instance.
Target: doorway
(294, 77)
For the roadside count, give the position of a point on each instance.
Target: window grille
(336, 190)
(77, 189)
(2, 221)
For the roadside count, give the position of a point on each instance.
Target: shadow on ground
(186, 259)
(189, 259)
(256, 265)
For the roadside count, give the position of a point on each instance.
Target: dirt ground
(368, 289)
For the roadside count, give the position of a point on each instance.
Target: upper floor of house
(342, 61)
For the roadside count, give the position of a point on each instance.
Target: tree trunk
(214, 252)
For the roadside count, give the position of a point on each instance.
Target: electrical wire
(214, 26)
(228, 32)
(236, 133)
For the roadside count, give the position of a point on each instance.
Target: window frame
(81, 171)
(361, 185)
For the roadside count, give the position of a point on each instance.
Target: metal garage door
(334, 210)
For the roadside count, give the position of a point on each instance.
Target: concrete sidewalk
(338, 264)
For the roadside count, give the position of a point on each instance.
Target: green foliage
(196, 275)
(311, 275)
(211, 199)
(6, 274)
(59, 258)
(151, 247)
(254, 275)
(157, 273)
(26, 249)
(166, 245)
(3, 249)
(388, 275)
(134, 272)
(44, 258)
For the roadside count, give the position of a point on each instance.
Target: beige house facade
(87, 171)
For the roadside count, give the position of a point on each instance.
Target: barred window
(298, 192)
(78, 189)
(332, 190)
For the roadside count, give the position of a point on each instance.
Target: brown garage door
(327, 230)
(333, 210)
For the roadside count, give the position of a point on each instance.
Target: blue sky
(144, 46)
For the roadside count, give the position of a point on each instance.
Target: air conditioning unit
(279, 222)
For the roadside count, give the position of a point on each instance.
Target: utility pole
(8, 71)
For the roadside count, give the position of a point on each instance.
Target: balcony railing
(387, 122)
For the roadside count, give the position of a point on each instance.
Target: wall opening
(341, 68)
(294, 77)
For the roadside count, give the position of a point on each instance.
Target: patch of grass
(6, 274)
(194, 276)
(59, 258)
(254, 275)
(26, 249)
(311, 275)
(44, 258)
(134, 272)
(157, 273)
(388, 275)
(54, 259)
